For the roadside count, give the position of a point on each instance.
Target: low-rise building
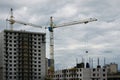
(80, 73)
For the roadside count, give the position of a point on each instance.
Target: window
(10, 73)
(93, 69)
(10, 64)
(10, 68)
(34, 38)
(103, 74)
(93, 74)
(10, 56)
(38, 42)
(39, 50)
(35, 69)
(10, 48)
(10, 53)
(39, 62)
(14, 53)
(39, 54)
(14, 45)
(15, 70)
(34, 50)
(103, 70)
(10, 45)
(10, 60)
(14, 77)
(39, 77)
(14, 49)
(10, 40)
(14, 65)
(10, 77)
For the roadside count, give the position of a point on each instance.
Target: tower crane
(12, 21)
(51, 32)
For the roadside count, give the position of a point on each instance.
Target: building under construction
(22, 55)
(81, 72)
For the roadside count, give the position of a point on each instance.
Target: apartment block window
(34, 50)
(39, 39)
(10, 56)
(93, 74)
(39, 50)
(10, 40)
(10, 48)
(15, 53)
(14, 65)
(10, 45)
(14, 41)
(10, 64)
(34, 42)
(93, 69)
(10, 68)
(103, 70)
(39, 62)
(38, 42)
(10, 53)
(14, 77)
(80, 70)
(35, 69)
(103, 74)
(10, 77)
(39, 54)
(39, 58)
(14, 37)
(14, 45)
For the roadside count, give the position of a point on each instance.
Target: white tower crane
(52, 26)
(12, 21)
(51, 31)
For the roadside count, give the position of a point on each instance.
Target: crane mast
(51, 31)
(11, 18)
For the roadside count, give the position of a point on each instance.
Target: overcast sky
(101, 38)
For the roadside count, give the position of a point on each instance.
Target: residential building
(22, 55)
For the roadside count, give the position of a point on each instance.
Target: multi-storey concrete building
(22, 55)
(81, 73)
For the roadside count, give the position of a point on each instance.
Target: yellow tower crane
(51, 32)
